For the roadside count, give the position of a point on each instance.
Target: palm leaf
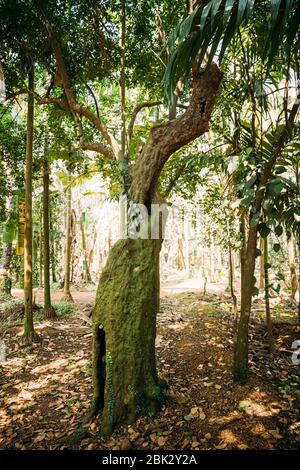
(216, 23)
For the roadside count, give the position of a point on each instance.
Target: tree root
(50, 313)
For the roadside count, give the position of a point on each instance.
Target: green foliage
(216, 23)
(63, 309)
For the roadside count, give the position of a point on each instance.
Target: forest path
(45, 391)
(169, 286)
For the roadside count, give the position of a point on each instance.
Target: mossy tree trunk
(124, 325)
(49, 311)
(29, 334)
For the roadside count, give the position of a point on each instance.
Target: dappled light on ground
(46, 390)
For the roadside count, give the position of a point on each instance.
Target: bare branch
(137, 109)
(95, 100)
(96, 147)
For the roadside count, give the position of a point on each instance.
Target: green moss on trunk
(124, 330)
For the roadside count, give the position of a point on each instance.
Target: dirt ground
(45, 391)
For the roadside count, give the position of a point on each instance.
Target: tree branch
(137, 109)
(96, 147)
(76, 109)
(174, 180)
(165, 139)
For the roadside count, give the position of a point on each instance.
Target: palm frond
(210, 29)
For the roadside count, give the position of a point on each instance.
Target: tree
(29, 334)
(49, 311)
(220, 20)
(130, 259)
(67, 262)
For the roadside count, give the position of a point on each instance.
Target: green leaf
(258, 253)
(293, 28)
(263, 230)
(279, 230)
(280, 169)
(255, 220)
(255, 291)
(275, 287)
(247, 201)
(276, 247)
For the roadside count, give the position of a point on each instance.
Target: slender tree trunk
(240, 367)
(49, 311)
(29, 333)
(186, 248)
(67, 268)
(5, 273)
(243, 250)
(87, 275)
(298, 241)
(52, 245)
(262, 269)
(5, 278)
(41, 260)
(292, 265)
(267, 297)
(180, 257)
(124, 153)
(233, 296)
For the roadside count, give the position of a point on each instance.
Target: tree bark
(240, 367)
(124, 330)
(41, 260)
(5, 273)
(52, 246)
(165, 139)
(261, 267)
(49, 311)
(267, 296)
(5, 279)
(87, 275)
(292, 264)
(67, 297)
(29, 334)
(232, 293)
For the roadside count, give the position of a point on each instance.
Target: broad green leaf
(263, 230)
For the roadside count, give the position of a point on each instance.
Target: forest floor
(46, 390)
